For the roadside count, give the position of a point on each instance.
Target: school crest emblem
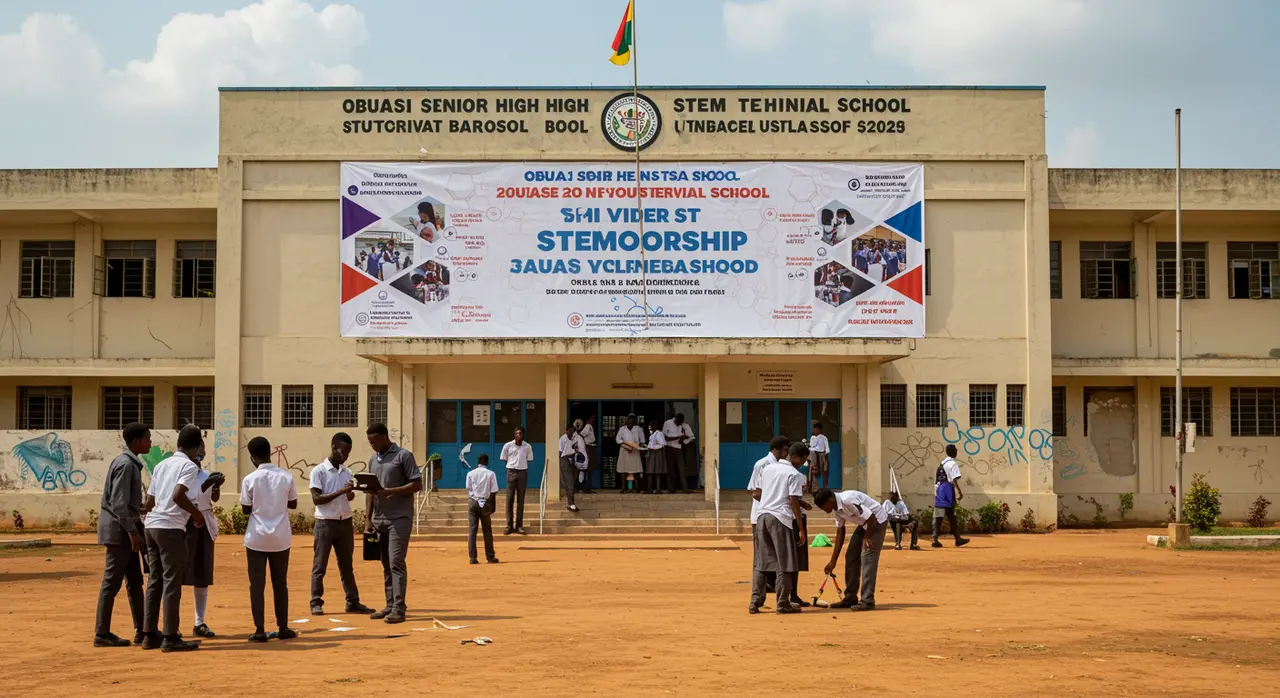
(630, 120)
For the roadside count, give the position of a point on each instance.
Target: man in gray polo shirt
(390, 513)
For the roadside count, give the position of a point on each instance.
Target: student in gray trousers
(390, 511)
(862, 562)
(482, 486)
(120, 531)
(169, 509)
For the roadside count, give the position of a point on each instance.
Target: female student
(200, 541)
(425, 223)
(655, 466)
(630, 440)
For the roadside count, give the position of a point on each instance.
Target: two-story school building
(1042, 342)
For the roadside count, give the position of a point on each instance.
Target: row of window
(932, 405)
(1109, 270)
(50, 407)
(126, 269)
(1254, 411)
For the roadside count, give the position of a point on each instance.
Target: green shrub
(231, 521)
(1202, 504)
(300, 523)
(1126, 504)
(964, 518)
(94, 513)
(1258, 513)
(1028, 523)
(357, 520)
(993, 517)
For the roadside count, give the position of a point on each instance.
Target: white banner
(556, 250)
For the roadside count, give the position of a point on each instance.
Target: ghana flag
(625, 36)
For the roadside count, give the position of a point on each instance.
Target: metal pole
(1179, 442)
(635, 105)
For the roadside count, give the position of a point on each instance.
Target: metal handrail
(715, 466)
(542, 494)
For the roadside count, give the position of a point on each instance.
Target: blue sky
(132, 83)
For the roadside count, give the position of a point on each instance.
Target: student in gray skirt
(199, 573)
(779, 530)
(655, 459)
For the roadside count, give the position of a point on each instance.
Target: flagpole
(1179, 442)
(635, 105)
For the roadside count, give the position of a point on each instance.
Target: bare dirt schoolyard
(1063, 614)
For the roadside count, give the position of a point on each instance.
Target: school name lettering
(564, 116)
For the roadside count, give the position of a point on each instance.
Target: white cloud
(1082, 148)
(166, 102)
(766, 24)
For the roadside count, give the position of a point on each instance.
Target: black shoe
(574, 508)
(394, 619)
(797, 601)
(521, 531)
(202, 630)
(844, 603)
(475, 561)
(110, 640)
(508, 532)
(177, 644)
(962, 542)
(286, 633)
(359, 608)
(379, 615)
(319, 610)
(863, 607)
(258, 637)
(915, 547)
(786, 608)
(753, 610)
(936, 544)
(152, 641)
(492, 561)
(898, 547)
(138, 637)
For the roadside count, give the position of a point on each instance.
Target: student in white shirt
(673, 430)
(332, 491)
(780, 520)
(819, 452)
(169, 507)
(571, 449)
(946, 495)
(199, 572)
(588, 433)
(863, 559)
(267, 495)
(516, 454)
(899, 516)
(631, 441)
(778, 449)
(655, 459)
(482, 485)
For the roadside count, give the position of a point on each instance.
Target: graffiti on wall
(224, 437)
(1011, 442)
(50, 462)
(301, 468)
(72, 462)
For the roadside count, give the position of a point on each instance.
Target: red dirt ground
(1072, 613)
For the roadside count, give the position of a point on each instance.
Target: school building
(211, 296)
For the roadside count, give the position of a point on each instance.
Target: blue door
(747, 427)
(609, 416)
(461, 430)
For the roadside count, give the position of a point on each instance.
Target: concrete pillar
(86, 334)
(414, 418)
(709, 417)
(1039, 367)
(876, 481)
(1146, 319)
(1147, 446)
(406, 410)
(556, 384)
(850, 442)
(227, 330)
(395, 398)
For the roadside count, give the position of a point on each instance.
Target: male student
(862, 561)
(588, 433)
(571, 447)
(946, 493)
(819, 453)
(899, 517)
(332, 492)
(482, 486)
(390, 510)
(778, 449)
(673, 430)
(120, 531)
(776, 540)
(266, 496)
(166, 524)
(516, 454)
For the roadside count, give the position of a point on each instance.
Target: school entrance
(611, 415)
(747, 427)
(461, 430)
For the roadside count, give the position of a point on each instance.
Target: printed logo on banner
(631, 119)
